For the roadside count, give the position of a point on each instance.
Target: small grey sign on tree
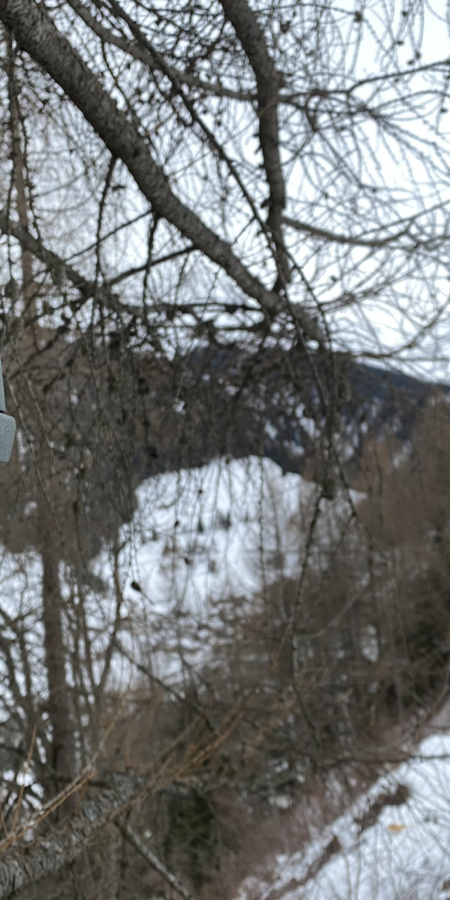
(7, 425)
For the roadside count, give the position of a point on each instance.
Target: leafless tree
(203, 210)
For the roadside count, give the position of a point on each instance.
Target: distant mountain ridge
(282, 407)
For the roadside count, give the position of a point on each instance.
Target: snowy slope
(218, 526)
(202, 536)
(197, 538)
(391, 850)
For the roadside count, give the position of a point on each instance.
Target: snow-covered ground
(200, 537)
(199, 534)
(386, 850)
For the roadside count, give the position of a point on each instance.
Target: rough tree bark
(24, 863)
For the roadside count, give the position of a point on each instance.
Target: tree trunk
(63, 762)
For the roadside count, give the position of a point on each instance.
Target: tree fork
(37, 34)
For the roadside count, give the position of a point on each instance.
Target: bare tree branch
(332, 237)
(269, 81)
(37, 34)
(61, 270)
(138, 52)
(26, 863)
(153, 860)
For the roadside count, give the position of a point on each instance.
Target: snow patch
(403, 855)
